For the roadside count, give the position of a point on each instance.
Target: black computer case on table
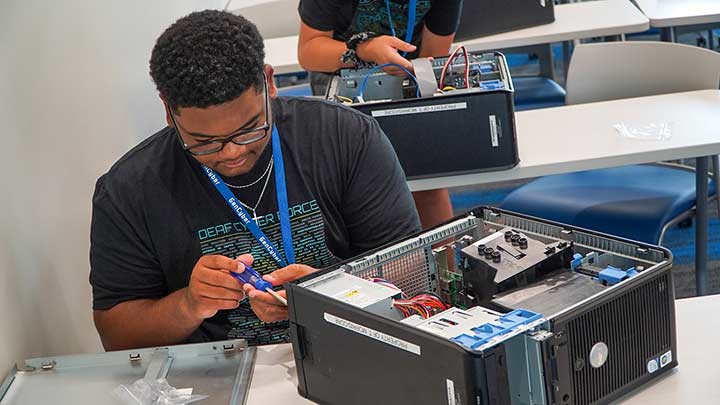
(595, 349)
(457, 132)
(487, 17)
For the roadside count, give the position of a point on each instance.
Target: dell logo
(598, 354)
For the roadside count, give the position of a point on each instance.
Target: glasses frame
(231, 138)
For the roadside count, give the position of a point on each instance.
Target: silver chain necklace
(267, 180)
(267, 170)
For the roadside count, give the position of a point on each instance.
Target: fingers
(399, 60)
(288, 273)
(265, 306)
(402, 45)
(222, 293)
(215, 304)
(218, 262)
(218, 278)
(246, 259)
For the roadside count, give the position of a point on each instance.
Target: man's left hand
(265, 306)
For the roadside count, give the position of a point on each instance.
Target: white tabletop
(572, 21)
(581, 137)
(669, 13)
(693, 382)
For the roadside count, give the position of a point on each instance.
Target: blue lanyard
(282, 200)
(410, 23)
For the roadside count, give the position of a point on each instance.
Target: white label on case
(451, 392)
(494, 131)
(419, 109)
(372, 333)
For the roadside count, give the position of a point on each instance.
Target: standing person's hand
(384, 49)
(265, 306)
(212, 288)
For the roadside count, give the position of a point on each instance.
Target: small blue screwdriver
(252, 277)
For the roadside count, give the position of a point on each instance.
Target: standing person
(239, 177)
(337, 34)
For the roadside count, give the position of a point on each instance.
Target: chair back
(615, 70)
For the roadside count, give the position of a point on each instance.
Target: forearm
(321, 54)
(146, 323)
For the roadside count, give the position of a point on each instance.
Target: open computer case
(536, 312)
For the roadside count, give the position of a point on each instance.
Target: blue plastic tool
(252, 277)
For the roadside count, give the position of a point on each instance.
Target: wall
(74, 96)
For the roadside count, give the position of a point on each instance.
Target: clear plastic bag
(154, 392)
(660, 131)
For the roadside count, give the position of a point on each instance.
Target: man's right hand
(384, 49)
(212, 287)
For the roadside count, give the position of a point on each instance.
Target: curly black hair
(207, 58)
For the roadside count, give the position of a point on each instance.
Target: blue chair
(532, 93)
(625, 201)
(637, 202)
(535, 92)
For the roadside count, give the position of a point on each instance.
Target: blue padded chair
(626, 201)
(532, 93)
(636, 202)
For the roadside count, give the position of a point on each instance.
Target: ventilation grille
(635, 327)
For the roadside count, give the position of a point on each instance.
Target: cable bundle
(449, 62)
(425, 305)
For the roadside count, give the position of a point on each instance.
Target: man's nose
(232, 151)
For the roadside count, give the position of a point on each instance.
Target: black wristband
(359, 38)
(350, 56)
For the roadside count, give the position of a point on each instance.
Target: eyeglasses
(244, 137)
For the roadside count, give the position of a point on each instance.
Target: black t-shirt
(348, 17)
(155, 212)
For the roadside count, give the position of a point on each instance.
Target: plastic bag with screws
(154, 392)
(660, 131)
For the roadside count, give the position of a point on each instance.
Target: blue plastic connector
(503, 325)
(613, 275)
(576, 261)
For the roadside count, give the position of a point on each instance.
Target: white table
(572, 21)
(671, 13)
(693, 382)
(581, 137)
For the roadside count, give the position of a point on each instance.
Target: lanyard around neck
(412, 10)
(282, 200)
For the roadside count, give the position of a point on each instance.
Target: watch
(350, 56)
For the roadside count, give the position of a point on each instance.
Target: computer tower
(439, 129)
(565, 316)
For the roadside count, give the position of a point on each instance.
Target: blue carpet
(681, 241)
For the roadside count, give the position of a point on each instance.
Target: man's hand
(212, 287)
(265, 306)
(384, 49)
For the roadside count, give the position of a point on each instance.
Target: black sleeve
(378, 205)
(444, 16)
(320, 14)
(123, 266)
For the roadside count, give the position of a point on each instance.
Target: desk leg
(702, 224)
(668, 34)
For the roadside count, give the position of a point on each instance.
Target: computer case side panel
(363, 357)
(638, 345)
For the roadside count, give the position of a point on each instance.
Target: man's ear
(269, 72)
(168, 118)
